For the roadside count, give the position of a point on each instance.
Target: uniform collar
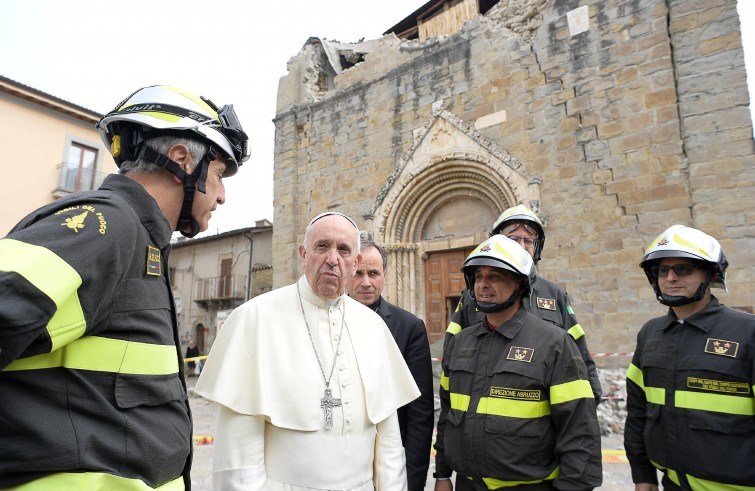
(704, 319)
(145, 206)
(508, 329)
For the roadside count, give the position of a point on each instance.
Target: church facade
(611, 119)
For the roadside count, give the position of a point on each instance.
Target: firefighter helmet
(690, 243)
(521, 214)
(163, 109)
(500, 252)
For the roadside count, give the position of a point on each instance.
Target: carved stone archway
(448, 162)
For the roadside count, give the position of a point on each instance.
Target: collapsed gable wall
(636, 123)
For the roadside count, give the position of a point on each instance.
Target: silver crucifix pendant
(327, 403)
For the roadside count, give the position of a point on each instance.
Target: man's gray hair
(308, 230)
(367, 243)
(161, 144)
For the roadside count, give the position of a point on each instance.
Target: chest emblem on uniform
(153, 261)
(517, 353)
(546, 303)
(75, 222)
(722, 347)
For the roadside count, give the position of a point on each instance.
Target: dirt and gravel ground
(616, 476)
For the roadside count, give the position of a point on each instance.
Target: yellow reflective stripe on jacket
(94, 481)
(106, 355)
(720, 403)
(444, 380)
(55, 278)
(656, 395)
(569, 391)
(702, 485)
(513, 408)
(453, 328)
(576, 331)
(698, 484)
(459, 401)
(496, 483)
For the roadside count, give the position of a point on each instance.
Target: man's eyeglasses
(525, 241)
(679, 270)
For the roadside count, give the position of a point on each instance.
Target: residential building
(48, 148)
(212, 275)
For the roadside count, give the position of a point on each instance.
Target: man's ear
(179, 154)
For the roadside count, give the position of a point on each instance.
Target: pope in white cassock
(308, 381)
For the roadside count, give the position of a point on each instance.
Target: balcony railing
(231, 287)
(72, 178)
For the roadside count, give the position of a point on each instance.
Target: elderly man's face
(368, 282)
(329, 257)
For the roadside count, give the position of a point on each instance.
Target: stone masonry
(615, 119)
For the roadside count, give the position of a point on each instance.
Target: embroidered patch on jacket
(75, 222)
(467, 352)
(519, 394)
(546, 303)
(153, 261)
(718, 385)
(722, 347)
(517, 353)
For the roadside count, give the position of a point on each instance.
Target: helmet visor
(234, 133)
(514, 226)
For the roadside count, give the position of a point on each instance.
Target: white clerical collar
(310, 296)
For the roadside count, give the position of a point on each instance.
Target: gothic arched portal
(436, 206)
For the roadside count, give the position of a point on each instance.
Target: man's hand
(445, 485)
(644, 486)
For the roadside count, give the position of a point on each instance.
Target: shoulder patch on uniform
(517, 353)
(76, 221)
(153, 261)
(576, 368)
(721, 347)
(546, 303)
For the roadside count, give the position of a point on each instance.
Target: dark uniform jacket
(516, 408)
(547, 301)
(690, 401)
(90, 375)
(417, 418)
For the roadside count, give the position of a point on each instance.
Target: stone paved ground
(616, 475)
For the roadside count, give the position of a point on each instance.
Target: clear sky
(94, 53)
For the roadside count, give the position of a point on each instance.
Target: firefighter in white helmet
(517, 409)
(91, 380)
(690, 384)
(546, 300)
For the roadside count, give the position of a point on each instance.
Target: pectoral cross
(327, 403)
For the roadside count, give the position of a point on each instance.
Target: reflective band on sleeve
(94, 480)
(106, 355)
(719, 403)
(444, 380)
(497, 483)
(513, 408)
(55, 278)
(453, 328)
(576, 331)
(635, 375)
(459, 401)
(570, 391)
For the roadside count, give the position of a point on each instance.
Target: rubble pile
(612, 412)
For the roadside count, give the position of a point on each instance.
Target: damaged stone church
(611, 119)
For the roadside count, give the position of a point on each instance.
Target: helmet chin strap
(678, 301)
(492, 308)
(187, 224)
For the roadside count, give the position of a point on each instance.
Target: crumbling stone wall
(632, 114)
